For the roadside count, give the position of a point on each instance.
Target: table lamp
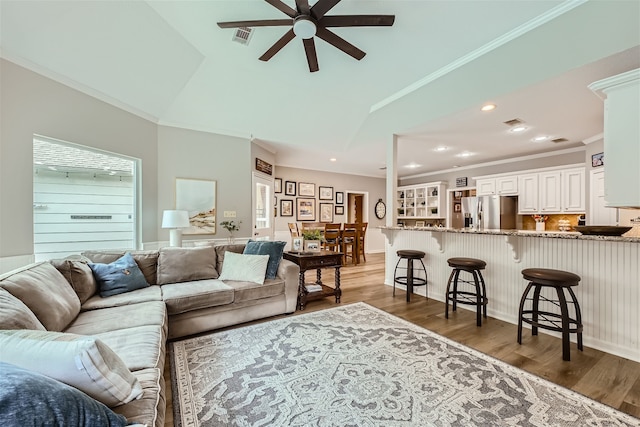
(176, 221)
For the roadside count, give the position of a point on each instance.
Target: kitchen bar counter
(609, 292)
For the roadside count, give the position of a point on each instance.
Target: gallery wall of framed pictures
(308, 201)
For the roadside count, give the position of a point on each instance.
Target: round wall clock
(381, 209)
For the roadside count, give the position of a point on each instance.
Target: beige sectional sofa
(185, 297)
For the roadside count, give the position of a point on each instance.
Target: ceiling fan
(307, 22)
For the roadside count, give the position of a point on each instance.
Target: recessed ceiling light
(464, 154)
(412, 165)
(488, 107)
(333, 159)
(517, 129)
(441, 148)
(540, 138)
(455, 166)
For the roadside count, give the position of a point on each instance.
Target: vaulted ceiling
(423, 79)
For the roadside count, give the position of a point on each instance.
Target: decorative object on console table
(312, 240)
(231, 226)
(198, 197)
(297, 244)
(176, 221)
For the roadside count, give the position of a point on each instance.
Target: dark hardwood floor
(609, 379)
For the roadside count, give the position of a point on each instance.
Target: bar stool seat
(410, 280)
(476, 297)
(562, 322)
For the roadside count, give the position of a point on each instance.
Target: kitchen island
(609, 293)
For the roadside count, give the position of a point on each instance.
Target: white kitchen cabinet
(550, 196)
(502, 186)
(421, 201)
(486, 187)
(621, 94)
(528, 193)
(573, 191)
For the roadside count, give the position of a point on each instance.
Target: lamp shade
(175, 219)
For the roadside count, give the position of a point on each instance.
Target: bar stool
(559, 280)
(478, 297)
(410, 280)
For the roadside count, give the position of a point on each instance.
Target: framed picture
(289, 188)
(286, 207)
(339, 210)
(305, 209)
(325, 193)
(339, 197)
(198, 197)
(597, 160)
(326, 212)
(277, 185)
(457, 207)
(312, 245)
(306, 189)
(297, 244)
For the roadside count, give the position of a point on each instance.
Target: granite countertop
(520, 233)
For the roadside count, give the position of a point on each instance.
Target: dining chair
(362, 233)
(332, 237)
(349, 244)
(293, 229)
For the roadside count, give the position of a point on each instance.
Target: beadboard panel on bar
(609, 293)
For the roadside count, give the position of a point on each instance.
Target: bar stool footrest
(547, 322)
(417, 281)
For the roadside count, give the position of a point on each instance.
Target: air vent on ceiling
(242, 35)
(557, 140)
(514, 122)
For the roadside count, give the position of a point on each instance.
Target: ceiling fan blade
(322, 7)
(257, 23)
(357, 21)
(288, 36)
(340, 43)
(312, 58)
(283, 7)
(303, 6)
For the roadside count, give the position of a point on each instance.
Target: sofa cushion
(146, 260)
(182, 297)
(120, 276)
(247, 291)
(150, 293)
(95, 322)
(46, 292)
(15, 315)
(246, 268)
(139, 348)
(222, 249)
(273, 249)
(79, 275)
(83, 362)
(150, 409)
(28, 398)
(185, 264)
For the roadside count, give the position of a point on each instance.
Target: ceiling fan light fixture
(304, 27)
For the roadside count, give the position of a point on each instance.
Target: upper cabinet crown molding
(602, 87)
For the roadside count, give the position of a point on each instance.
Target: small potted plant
(312, 239)
(231, 226)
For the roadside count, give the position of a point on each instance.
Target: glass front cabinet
(421, 201)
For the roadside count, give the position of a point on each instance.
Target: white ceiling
(422, 79)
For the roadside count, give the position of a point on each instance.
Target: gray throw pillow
(31, 399)
(177, 265)
(122, 275)
(273, 249)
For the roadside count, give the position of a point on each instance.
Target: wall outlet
(229, 214)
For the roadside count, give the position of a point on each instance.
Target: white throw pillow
(247, 268)
(83, 362)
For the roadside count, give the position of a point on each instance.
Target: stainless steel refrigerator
(490, 212)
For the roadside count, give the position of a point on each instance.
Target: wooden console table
(318, 260)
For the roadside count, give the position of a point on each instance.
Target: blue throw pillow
(273, 249)
(122, 275)
(28, 398)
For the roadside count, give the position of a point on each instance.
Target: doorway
(262, 210)
(357, 202)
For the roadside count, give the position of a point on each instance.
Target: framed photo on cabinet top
(597, 160)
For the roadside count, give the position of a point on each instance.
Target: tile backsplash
(528, 223)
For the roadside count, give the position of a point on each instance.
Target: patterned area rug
(356, 365)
